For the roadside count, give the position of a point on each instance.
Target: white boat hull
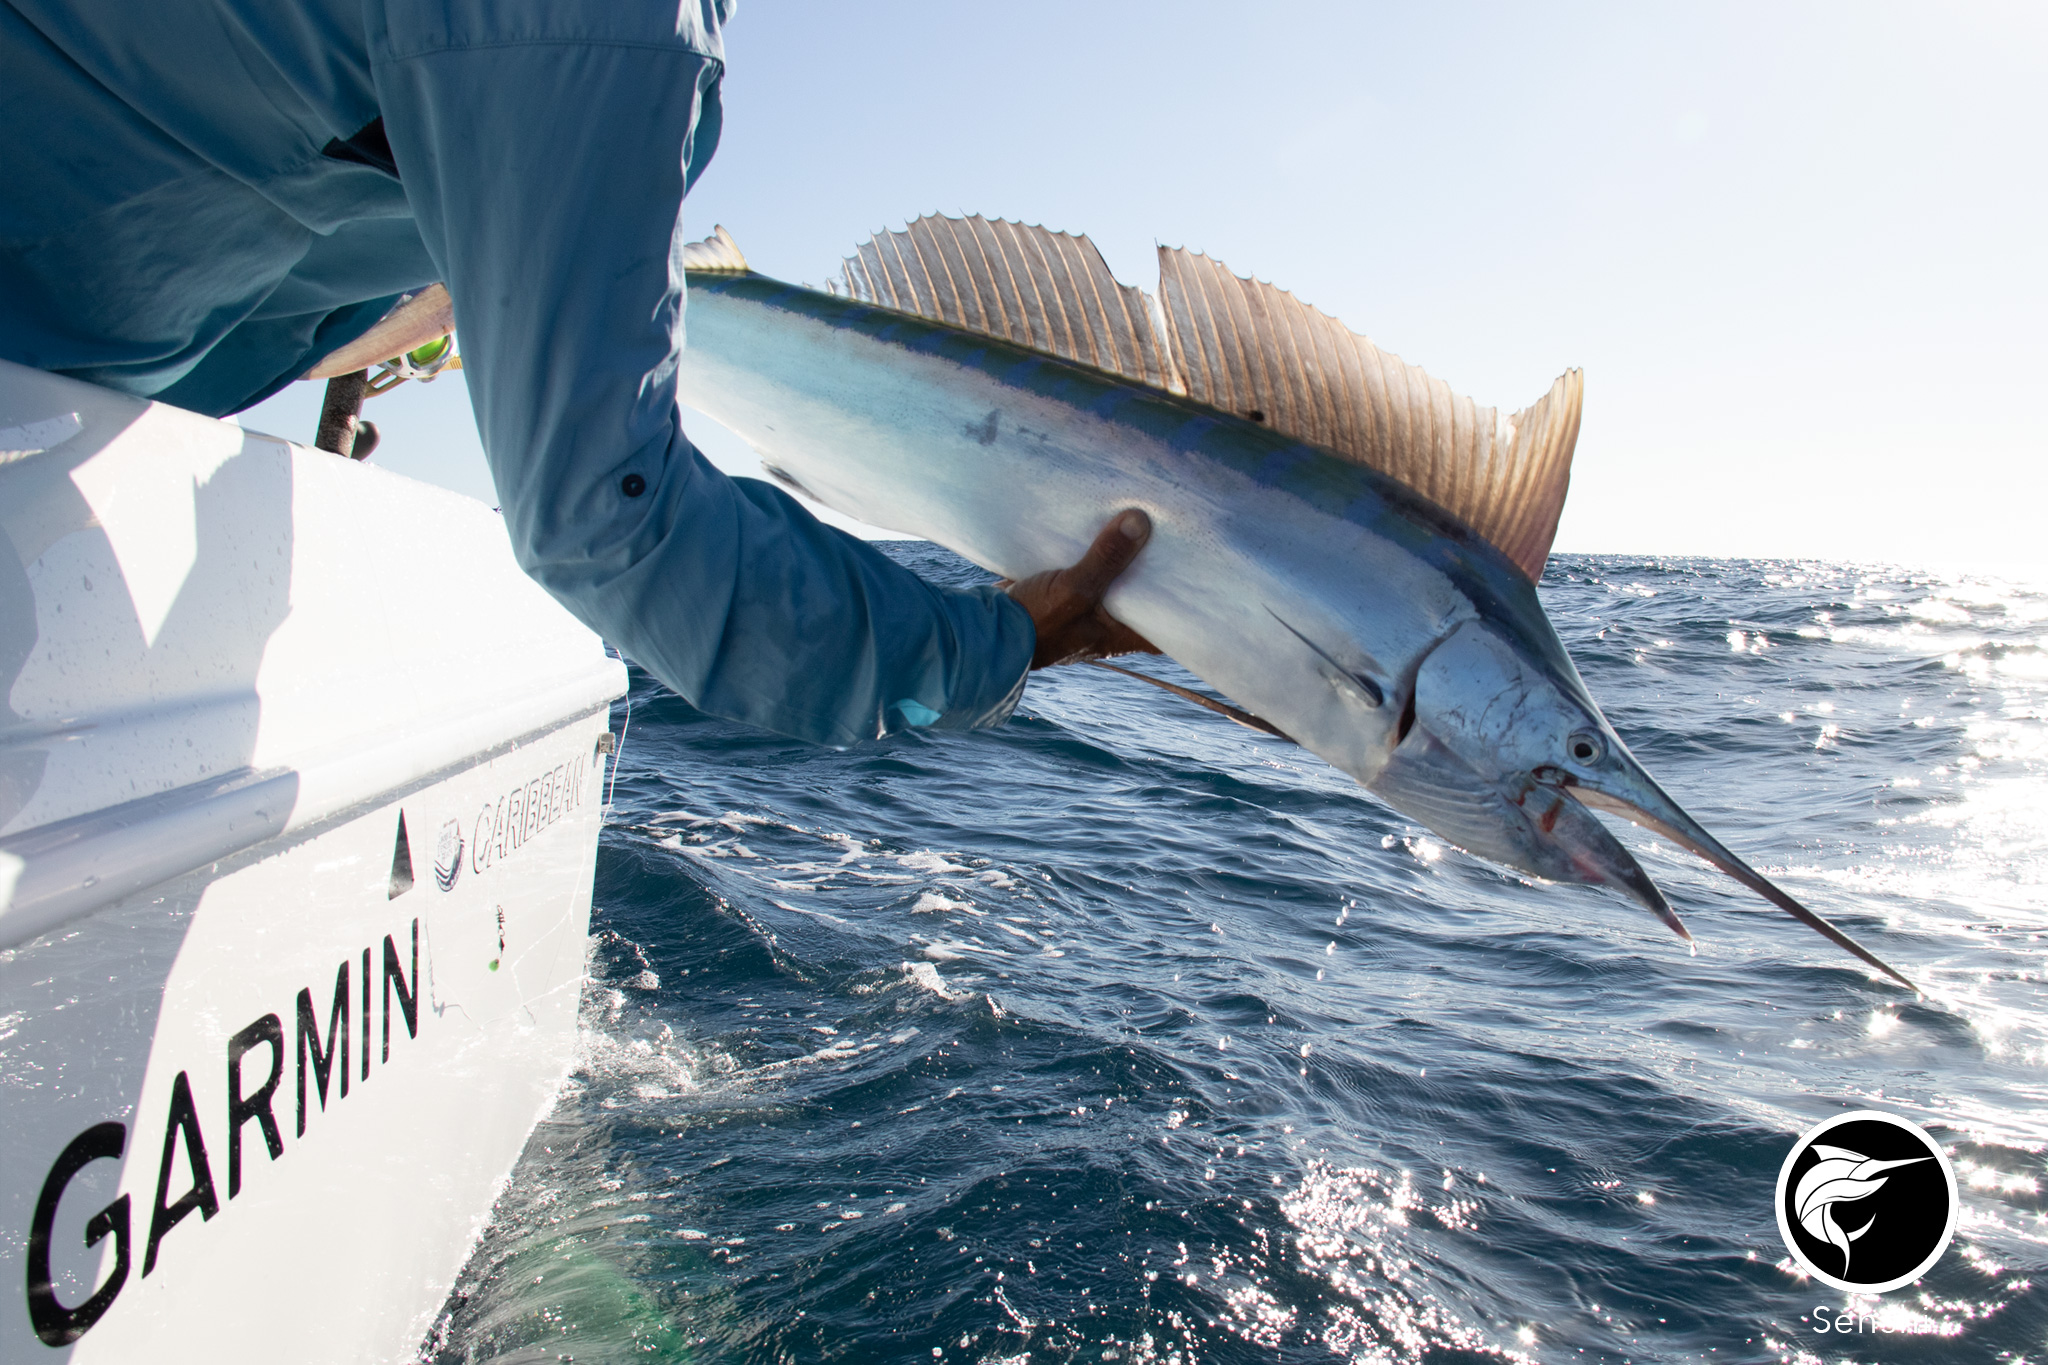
(300, 788)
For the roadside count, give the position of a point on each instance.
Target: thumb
(1114, 549)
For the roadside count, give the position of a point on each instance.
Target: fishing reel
(424, 363)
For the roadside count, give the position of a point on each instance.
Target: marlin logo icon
(1895, 1171)
(1840, 1177)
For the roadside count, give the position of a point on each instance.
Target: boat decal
(504, 826)
(401, 862)
(448, 856)
(256, 1059)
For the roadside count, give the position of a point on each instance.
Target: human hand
(1066, 604)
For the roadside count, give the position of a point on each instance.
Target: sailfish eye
(1585, 747)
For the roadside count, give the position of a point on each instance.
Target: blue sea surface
(1122, 1033)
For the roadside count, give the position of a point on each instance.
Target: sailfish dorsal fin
(1051, 291)
(1246, 348)
(1257, 351)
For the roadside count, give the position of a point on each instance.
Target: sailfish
(1341, 545)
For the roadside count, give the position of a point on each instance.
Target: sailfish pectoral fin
(1361, 682)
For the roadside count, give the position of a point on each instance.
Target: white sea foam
(926, 977)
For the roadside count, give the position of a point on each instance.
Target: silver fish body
(1376, 629)
(1015, 460)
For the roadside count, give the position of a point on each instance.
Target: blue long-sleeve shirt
(204, 197)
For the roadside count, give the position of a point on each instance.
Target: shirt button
(632, 485)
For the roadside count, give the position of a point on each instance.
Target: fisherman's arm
(546, 175)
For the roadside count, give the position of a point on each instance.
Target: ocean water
(1121, 1033)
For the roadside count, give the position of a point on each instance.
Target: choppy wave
(1123, 1034)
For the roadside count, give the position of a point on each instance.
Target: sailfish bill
(1342, 545)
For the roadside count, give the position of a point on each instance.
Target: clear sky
(1797, 248)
